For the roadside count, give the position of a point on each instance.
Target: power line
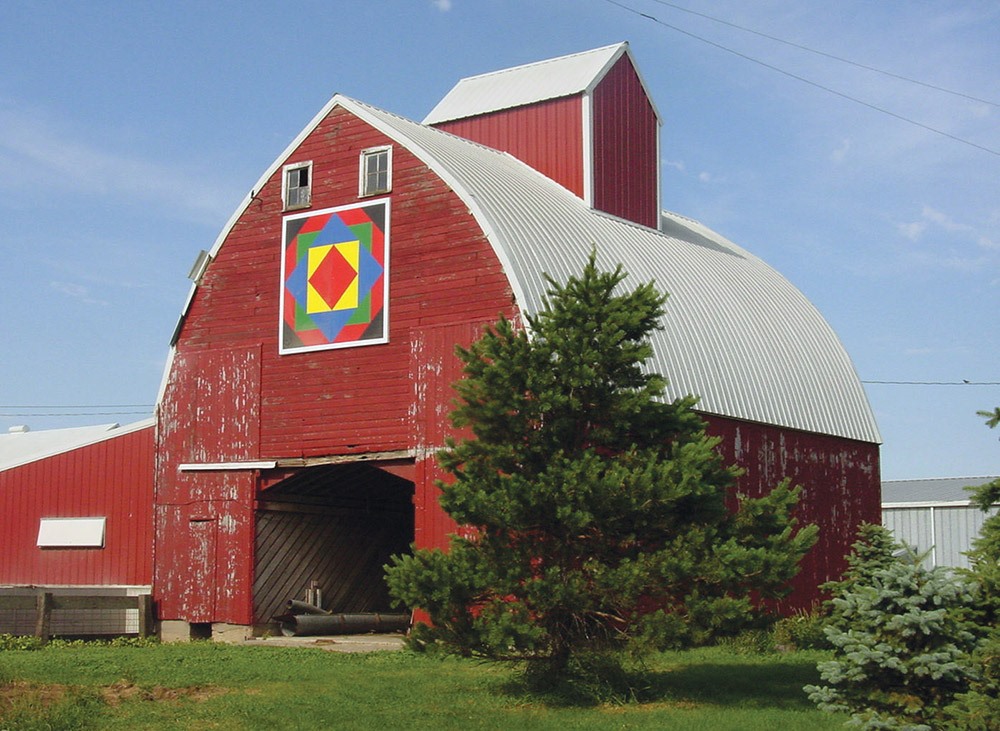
(74, 406)
(933, 383)
(829, 55)
(39, 415)
(804, 80)
(39, 411)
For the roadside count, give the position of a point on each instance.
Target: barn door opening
(332, 528)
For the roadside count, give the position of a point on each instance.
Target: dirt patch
(21, 692)
(123, 691)
(46, 694)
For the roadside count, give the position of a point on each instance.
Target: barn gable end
(232, 398)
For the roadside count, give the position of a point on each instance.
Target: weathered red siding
(840, 480)
(548, 136)
(113, 479)
(841, 488)
(230, 396)
(435, 368)
(626, 158)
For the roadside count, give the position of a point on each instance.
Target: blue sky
(130, 131)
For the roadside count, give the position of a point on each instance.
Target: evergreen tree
(979, 709)
(874, 550)
(901, 649)
(917, 649)
(595, 510)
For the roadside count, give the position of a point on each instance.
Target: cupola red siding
(626, 151)
(547, 135)
(602, 145)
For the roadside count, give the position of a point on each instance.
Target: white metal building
(934, 516)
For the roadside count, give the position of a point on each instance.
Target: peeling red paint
(841, 488)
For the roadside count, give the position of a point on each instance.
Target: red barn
(77, 508)
(309, 382)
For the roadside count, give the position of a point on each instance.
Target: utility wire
(72, 406)
(804, 80)
(934, 383)
(829, 55)
(38, 415)
(40, 411)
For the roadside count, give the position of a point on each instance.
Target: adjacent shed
(309, 381)
(934, 517)
(77, 507)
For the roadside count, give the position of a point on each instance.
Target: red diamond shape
(332, 277)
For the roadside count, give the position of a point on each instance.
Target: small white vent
(71, 533)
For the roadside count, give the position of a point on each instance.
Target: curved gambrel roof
(736, 333)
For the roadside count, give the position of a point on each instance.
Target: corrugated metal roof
(534, 82)
(18, 448)
(736, 333)
(933, 490)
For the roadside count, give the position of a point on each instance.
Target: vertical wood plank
(44, 618)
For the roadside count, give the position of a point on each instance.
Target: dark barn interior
(331, 527)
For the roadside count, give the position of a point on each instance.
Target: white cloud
(677, 165)
(912, 231)
(840, 153)
(33, 148)
(932, 218)
(77, 292)
(443, 5)
(943, 220)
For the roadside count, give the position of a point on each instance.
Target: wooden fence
(45, 603)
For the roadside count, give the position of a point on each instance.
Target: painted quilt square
(334, 278)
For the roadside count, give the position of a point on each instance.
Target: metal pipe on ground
(294, 606)
(301, 625)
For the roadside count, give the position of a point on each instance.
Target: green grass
(210, 686)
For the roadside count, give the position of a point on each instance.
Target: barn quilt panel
(335, 278)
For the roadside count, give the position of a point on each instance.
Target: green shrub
(901, 650)
(979, 709)
(749, 642)
(874, 550)
(804, 630)
(29, 642)
(19, 642)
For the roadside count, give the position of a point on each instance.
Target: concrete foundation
(232, 634)
(175, 630)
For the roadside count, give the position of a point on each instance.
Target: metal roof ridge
(103, 432)
(523, 66)
(455, 103)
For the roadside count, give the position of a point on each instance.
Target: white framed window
(296, 185)
(71, 533)
(376, 171)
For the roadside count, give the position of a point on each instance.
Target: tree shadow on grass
(762, 684)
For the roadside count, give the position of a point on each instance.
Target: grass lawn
(211, 686)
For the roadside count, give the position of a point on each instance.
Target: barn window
(71, 533)
(376, 171)
(296, 186)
